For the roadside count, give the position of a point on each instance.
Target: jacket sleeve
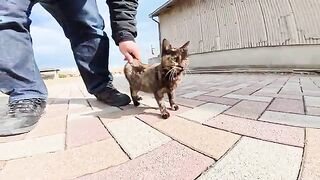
(123, 19)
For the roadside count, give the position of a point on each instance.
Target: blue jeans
(82, 25)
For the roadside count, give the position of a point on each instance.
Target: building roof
(162, 8)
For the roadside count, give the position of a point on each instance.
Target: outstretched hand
(130, 50)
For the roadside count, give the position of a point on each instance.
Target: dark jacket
(123, 19)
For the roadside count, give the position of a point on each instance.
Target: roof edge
(161, 8)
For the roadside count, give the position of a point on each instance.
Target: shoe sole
(17, 131)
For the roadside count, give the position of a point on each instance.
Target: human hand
(130, 50)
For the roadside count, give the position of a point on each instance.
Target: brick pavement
(229, 126)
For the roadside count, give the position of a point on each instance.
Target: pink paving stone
(219, 100)
(261, 130)
(49, 125)
(314, 111)
(188, 102)
(311, 162)
(248, 109)
(2, 164)
(67, 164)
(170, 161)
(287, 105)
(152, 116)
(84, 131)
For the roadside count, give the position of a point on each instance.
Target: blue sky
(52, 49)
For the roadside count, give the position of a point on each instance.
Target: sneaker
(22, 116)
(113, 97)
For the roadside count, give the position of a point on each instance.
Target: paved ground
(233, 126)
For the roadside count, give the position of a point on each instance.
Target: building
(244, 33)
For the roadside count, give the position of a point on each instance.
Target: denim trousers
(82, 25)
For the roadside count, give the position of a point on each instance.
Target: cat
(159, 79)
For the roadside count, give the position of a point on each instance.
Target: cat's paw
(175, 107)
(165, 115)
(136, 103)
(139, 98)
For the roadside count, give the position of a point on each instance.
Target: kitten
(159, 79)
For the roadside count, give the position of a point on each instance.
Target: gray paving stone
(312, 101)
(287, 105)
(204, 112)
(135, 137)
(256, 159)
(193, 94)
(248, 109)
(250, 98)
(291, 119)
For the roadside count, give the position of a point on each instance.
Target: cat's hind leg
(135, 97)
(173, 105)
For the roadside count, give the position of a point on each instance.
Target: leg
(19, 74)
(173, 105)
(135, 97)
(83, 26)
(159, 98)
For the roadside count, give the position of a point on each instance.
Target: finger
(128, 57)
(137, 54)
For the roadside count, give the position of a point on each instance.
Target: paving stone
(135, 137)
(312, 92)
(189, 102)
(170, 161)
(312, 101)
(250, 98)
(260, 130)
(78, 105)
(220, 93)
(204, 112)
(311, 164)
(84, 131)
(314, 111)
(209, 141)
(151, 116)
(193, 94)
(6, 139)
(287, 105)
(24, 148)
(291, 119)
(248, 109)
(2, 164)
(66, 164)
(49, 125)
(256, 159)
(218, 100)
(247, 91)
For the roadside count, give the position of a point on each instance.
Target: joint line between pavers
(221, 158)
(243, 135)
(114, 138)
(272, 100)
(303, 155)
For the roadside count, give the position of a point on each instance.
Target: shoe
(113, 97)
(22, 116)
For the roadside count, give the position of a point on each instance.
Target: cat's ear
(165, 46)
(185, 46)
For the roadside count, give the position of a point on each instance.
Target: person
(83, 26)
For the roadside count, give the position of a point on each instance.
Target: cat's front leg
(173, 105)
(159, 98)
(135, 97)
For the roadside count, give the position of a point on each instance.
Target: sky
(52, 48)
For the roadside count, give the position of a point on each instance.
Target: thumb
(128, 57)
